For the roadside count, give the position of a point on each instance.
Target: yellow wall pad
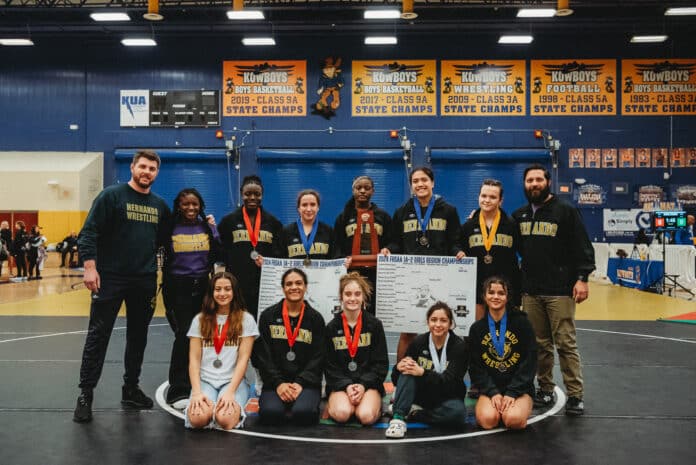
(58, 224)
(75, 303)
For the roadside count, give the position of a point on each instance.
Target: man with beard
(557, 258)
(119, 243)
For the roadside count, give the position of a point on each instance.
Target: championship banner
(591, 194)
(658, 87)
(268, 88)
(322, 288)
(488, 88)
(407, 285)
(571, 88)
(685, 195)
(394, 88)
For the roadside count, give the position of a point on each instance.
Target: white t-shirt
(228, 355)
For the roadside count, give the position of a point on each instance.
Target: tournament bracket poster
(658, 87)
(573, 87)
(394, 88)
(264, 88)
(483, 88)
(407, 285)
(322, 288)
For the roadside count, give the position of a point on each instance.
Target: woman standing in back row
(362, 229)
(424, 225)
(308, 238)
(248, 234)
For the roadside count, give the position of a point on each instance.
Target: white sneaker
(181, 404)
(396, 429)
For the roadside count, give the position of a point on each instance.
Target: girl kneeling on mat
(431, 375)
(503, 360)
(221, 339)
(356, 356)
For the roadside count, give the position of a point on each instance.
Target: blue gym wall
(44, 89)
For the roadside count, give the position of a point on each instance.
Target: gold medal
(488, 236)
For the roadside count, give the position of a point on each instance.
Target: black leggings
(21, 261)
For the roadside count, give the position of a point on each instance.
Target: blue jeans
(450, 412)
(208, 390)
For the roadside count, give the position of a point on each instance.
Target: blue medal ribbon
(423, 221)
(498, 341)
(307, 243)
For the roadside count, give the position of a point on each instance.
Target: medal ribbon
(423, 221)
(253, 233)
(498, 341)
(292, 335)
(220, 337)
(307, 243)
(439, 363)
(357, 237)
(489, 237)
(352, 342)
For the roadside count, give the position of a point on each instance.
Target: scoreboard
(190, 108)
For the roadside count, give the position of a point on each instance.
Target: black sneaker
(544, 398)
(175, 394)
(83, 409)
(133, 396)
(574, 406)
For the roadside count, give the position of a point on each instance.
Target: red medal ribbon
(253, 233)
(352, 342)
(292, 335)
(374, 245)
(220, 337)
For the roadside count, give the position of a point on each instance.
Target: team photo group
(532, 268)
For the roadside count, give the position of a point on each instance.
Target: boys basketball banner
(394, 88)
(483, 88)
(264, 88)
(573, 87)
(658, 87)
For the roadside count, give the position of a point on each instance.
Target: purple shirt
(191, 246)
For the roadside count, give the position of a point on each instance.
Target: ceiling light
(16, 42)
(380, 40)
(245, 14)
(684, 11)
(382, 14)
(110, 16)
(515, 39)
(139, 42)
(258, 41)
(536, 13)
(648, 39)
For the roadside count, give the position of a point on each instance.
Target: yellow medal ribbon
(488, 238)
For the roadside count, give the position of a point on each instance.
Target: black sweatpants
(183, 298)
(139, 295)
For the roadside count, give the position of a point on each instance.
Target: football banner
(573, 87)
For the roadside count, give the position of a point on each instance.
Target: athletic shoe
(396, 429)
(83, 409)
(574, 406)
(180, 404)
(175, 394)
(133, 396)
(544, 398)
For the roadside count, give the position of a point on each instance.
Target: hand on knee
(228, 418)
(200, 420)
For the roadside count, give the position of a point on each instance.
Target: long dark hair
(495, 280)
(208, 317)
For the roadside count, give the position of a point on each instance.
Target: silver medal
(423, 240)
(488, 259)
(352, 366)
(217, 363)
(307, 261)
(290, 356)
(254, 254)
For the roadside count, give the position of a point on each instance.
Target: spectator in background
(69, 247)
(35, 252)
(6, 241)
(19, 251)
